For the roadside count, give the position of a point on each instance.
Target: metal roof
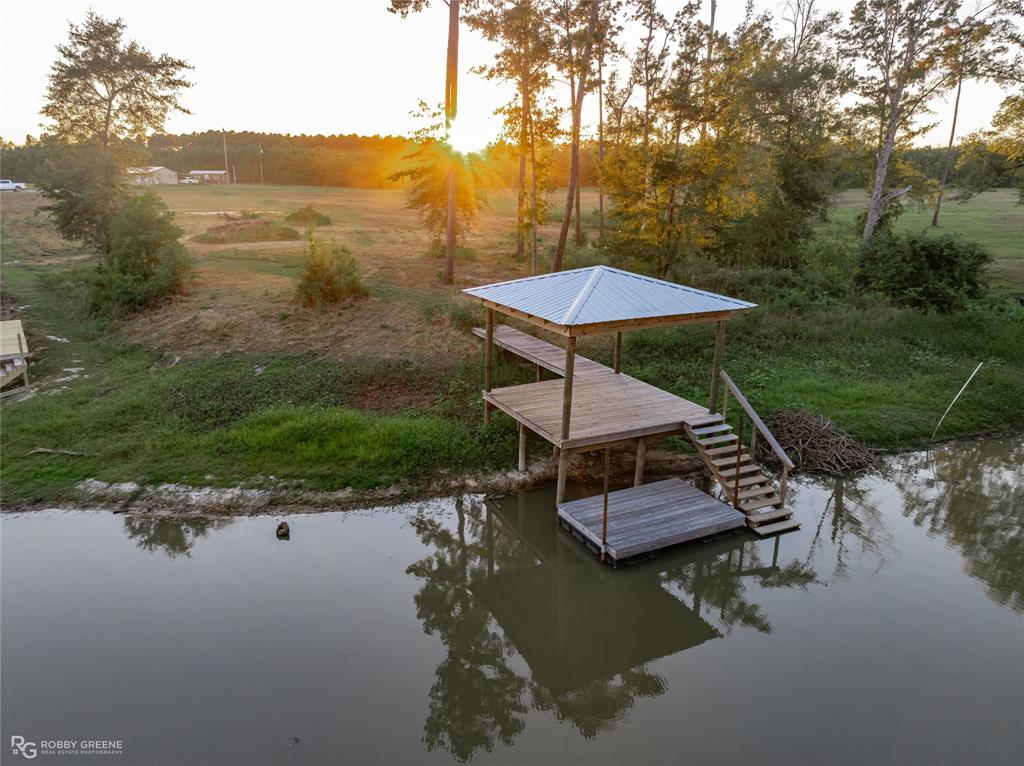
(601, 295)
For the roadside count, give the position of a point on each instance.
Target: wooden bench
(13, 355)
(541, 353)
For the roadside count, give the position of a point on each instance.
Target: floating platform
(647, 518)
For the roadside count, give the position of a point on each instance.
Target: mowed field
(994, 219)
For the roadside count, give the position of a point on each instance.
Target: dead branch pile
(816, 444)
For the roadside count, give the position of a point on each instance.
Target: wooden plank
(716, 365)
(641, 459)
(774, 529)
(776, 447)
(544, 355)
(753, 505)
(649, 517)
(522, 447)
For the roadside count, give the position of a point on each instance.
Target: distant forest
(360, 162)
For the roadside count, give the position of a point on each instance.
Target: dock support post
(488, 362)
(522, 447)
(604, 520)
(716, 367)
(641, 458)
(563, 469)
(563, 456)
(618, 352)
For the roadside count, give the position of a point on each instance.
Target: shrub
(923, 272)
(307, 215)
(146, 263)
(329, 275)
(249, 230)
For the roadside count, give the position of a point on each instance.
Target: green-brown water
(887, 630)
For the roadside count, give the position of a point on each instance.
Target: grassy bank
(232, 384)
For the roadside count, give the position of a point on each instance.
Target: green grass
(882, 373)
(993, 218)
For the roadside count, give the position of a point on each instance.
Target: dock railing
(758, 427)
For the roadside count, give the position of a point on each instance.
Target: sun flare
(466, 137)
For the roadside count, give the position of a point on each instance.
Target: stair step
(717, 440)
(705, 420)
(721, 451)
(746, 494)
(727, 462)
(727, 473)
(763, 517)
(773, 529)
(717, 428)
(752, 505)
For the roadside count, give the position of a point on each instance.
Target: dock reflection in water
(508, 581)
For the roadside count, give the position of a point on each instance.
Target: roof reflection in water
(507, 581)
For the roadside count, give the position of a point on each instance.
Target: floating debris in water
(56, 338)
(283, 531)
(295, 741)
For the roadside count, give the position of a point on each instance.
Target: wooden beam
(570, 363)
(488, 361)
(522, 447)
(641, 459)
(563, 469)
(716, 366)
(604, 520)
(618, 351)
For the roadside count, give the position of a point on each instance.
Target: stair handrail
(755, 419)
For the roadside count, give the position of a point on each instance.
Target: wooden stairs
(744, 483)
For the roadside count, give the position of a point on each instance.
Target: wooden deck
(606, 409)
(540, 352)
(650, 517)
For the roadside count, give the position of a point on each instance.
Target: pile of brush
(817, 445)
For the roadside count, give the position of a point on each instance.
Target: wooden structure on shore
(13, 357)
(595, 407)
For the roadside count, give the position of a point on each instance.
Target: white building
(151, 176)
(209, 176)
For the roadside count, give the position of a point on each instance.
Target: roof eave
(601, 328)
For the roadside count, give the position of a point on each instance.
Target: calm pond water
(889, 630)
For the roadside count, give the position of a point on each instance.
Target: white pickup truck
(6, 185)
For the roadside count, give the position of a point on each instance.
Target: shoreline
(185, 501)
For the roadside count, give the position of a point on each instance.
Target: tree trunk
(600, 144)
(578, 207)
(574, 162)
(876, 207)
(451, 86)
(533, 193)
(949, 149)
(707, 72)
(521, 196)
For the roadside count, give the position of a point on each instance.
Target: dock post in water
(563, 454)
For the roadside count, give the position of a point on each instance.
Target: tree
(103, 88)
(577, 68)
(899, 43)
(979, 49)
(451, 87)
(432, 165)
(996, 156)
(523, 59)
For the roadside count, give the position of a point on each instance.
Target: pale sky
(312, 67)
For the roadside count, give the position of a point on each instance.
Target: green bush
(146, 263)
(307, 215)
(924, 272)
(329, 275)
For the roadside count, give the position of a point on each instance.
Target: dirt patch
(391, 397)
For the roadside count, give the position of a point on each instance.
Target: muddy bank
(278, 498)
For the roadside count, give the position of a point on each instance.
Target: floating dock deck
(649, 517)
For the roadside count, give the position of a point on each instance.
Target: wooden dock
(647, 518)
(606, 409)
